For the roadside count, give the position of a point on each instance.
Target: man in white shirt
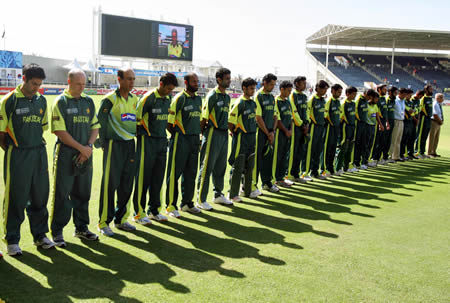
(436, 121)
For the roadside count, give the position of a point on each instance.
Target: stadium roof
(341, 35)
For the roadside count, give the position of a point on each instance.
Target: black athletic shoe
(87, 235)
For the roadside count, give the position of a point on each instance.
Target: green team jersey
(372, 111)
(265, 108)
(215, 109)
(243, 115)
(117, 117)
(426, 106)
(299, 103)
(75, 116)
(284, 109)
(382, 105)
(23, 119)
(152, 114)
(408, 106)
(333, 111)
(348, 112)
(362, 107)
(416, 105)
(391, 108)
(185, 113)
(316, 109)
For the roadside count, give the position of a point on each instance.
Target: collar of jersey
(278, 98)
(187, 94)
(119, 95)
(157, 95)
(297, 92)
(19, 93)
(261, 91)
(67, 94)
(348, 101)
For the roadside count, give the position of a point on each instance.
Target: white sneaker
(222, 200)
(174, 213)
(299, 180)
(307, 178)
(236, 199)
(125, 226)
(158, 217)
(192, 210)
(325, 174)
(340, 172)
(382, 162)
(283, 183)
(14, 250)
(204, 206)
(272, 189)
(143, 221)
(363, 167)
(107, 231)
(353, 170)
(254, 194)
(372, 164)
(59, 241)
(390, 161)
(45, 243)
(289, 182)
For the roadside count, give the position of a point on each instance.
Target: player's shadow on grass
(177, 255)
(17, 286)
(230, 248)
(71, 277)
(240, 232)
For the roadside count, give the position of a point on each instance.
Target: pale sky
(249, 37)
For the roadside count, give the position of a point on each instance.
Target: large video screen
(132, 37)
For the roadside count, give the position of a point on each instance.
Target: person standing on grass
(184, 125)
(151, 154)
(316, 110)
(213, 154)
(380, 153)
(406, 150)
(298, 148)
(266, 117)
(23, 120)
(117, 117)
(75, 124)
(347, 134)
(399, 115)
(332, 127)
(437, 121)
(393, 91)
(426, 112)
(375, 125)
(242, 125)
(283, 135)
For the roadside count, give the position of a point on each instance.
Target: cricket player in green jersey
(74, 122)
(381, 149)
(151, 154)
(117, 117)
(242, 125)
(375, 125)
(390, 101)
(23, 120)
(426, 112)
(332, 129)
(213, 154)
(184, 125)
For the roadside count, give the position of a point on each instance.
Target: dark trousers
(361, 144)
(242, 160)
(315, 148)
(329, 150)
(424, 130)
(71, 192)
(25, 173)
(408, 137)
(183, 162)
(213, 160)
(263, 160)
(297, 154)
(151, 154)
(281, 156)
(382, 143)
(119, 171)
(346, 146)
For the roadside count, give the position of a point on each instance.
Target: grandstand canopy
(341, 35)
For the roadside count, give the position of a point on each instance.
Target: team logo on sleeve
(128, 117)
(41, 111)
(88, 111)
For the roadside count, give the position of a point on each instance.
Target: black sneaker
(59, 241)
(87, 235)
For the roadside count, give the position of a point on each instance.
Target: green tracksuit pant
(424, 130)
(263, 160)
(329, 149)
(151, 154)
(381, 143)
(315, 148)
(346, 146)
(281, 155)
(25, 173)
(297, 155)
(362, 138)
(408, 137)
(70, 193)
(242, 160)
(119, 171)
(183, 162)
(213, 160)
(372, 131)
